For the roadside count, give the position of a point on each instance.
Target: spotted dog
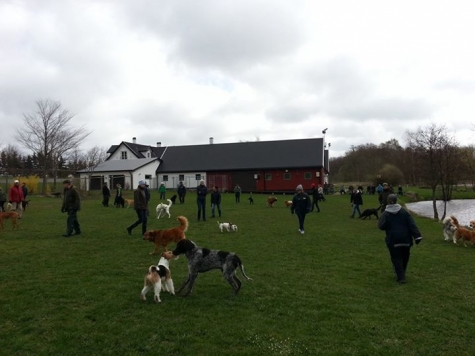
(202, 260)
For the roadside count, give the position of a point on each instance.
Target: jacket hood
(393, 208)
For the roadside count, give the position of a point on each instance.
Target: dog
(368, 212)
(449, 229)
(163, 208)
(12, 215)
(234, 228)
(202, 260)
(173, 198)
(288, 203)
(224, 226)
(462, 233)
(271, 201)
(162, 238)
(8, 207)
(251, 200)
(160, 278)
(129, 202)
(24, 204)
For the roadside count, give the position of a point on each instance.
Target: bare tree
(47, 132)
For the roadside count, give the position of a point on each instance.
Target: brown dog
(288, 203)
(161, 238)
(129, 202)
(13, 215)
(463, 233)
(271, 201)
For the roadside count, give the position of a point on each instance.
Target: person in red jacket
(15, 197)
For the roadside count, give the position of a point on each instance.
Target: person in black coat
(356, 199)
(71, 205)
(301, 205)
(181, 190)
(201, 191)
(315, 197)
(401, 230)
(106, 194)
(215, 201)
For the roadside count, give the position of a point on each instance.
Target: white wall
(118, 153)
(189, 181)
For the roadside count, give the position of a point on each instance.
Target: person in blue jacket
(301, 206)
(401, 230)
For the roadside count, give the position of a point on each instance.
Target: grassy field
(329, 292)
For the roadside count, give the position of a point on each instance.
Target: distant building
(259, 166)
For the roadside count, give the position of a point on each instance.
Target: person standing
(237, 193)
(321, 196)
(356, 199)
(106, 194)
(24, 189)
(315, 197)
(401, 230)
(3, 199)
(15, 197)
(141, 208)
(119, 200)
(71, 205)
(162, 190)
(383, 196)
(215, 201)
(181, 192)
(301, 205)
(201, 191)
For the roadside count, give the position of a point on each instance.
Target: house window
(123, 155)
(286, 176)
(148, 176)
(165, 178)
(198, 176)
(268, 176)
(181, 177)
(307, 175)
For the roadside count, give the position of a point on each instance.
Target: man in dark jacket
(141, 207)
(215, 201)
(106, 194)
(71, 205)
(356, 199)
(301, 205)
(181, 192)
(315, 197)
(383, 196)
(201, 191)
(400, 231)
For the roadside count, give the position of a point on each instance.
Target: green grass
(329, 292)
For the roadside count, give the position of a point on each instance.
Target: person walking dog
(301, 205)
(71, 205)
(401, 230)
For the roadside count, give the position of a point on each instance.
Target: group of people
(16, 197)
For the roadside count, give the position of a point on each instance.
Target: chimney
(134, 139)
(211, 140)
(159, 144)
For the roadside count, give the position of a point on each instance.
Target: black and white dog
(202, 260)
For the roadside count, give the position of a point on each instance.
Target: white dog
(158, 277)
(224, 225)
(163, 208)
(234, 228)
(449, 229)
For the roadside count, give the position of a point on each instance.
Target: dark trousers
(400, 259)
(213, 206)
(105, 200)
(181, 198)
(201, 207)
(72, 222)
(238, 197)
(301, 217)
(2, 207)
(315, 204)
(356, 208)
(162, 196)
(142, 219)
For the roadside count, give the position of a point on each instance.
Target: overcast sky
(181, 71)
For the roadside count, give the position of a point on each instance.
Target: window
(286, 176)
(198, 176)
(268, 176)
(165, 178)
(181, 177)
(148, 176)
(123, 155)
(307, 175)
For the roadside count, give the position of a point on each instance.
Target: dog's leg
(170, 287)
(156, 250)
(190, 281)
(168, 212)
(164, 285)
(187, 280)
(157, 287)
(146, 288)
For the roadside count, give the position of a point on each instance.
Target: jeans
(72, 222)
(301, 217)
(356, 208)
(238, 197)
(212, 209)
(201, 207)
(142, 219)
(315, 204)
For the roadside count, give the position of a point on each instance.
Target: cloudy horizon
(183, 71)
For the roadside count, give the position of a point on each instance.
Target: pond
(463, 209)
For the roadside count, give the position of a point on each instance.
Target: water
(463, 210)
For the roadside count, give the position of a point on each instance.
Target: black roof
(254, 155)
(137, 149)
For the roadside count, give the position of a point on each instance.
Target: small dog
(160, 278)
(462, 233)
(271, 201)
(234, 228)
(251, 200)
(173, 198)
(288, 203)
(162, 238)
(224, 226)
(202, 260)
(163, 208)
(8, 207)
(129, 202)
(449, 229)
(12, 215)
(368, 212)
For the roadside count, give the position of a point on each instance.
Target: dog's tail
(241, 267)
(169, 202)
(183, 223)
(378, 208)
(454, 220)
